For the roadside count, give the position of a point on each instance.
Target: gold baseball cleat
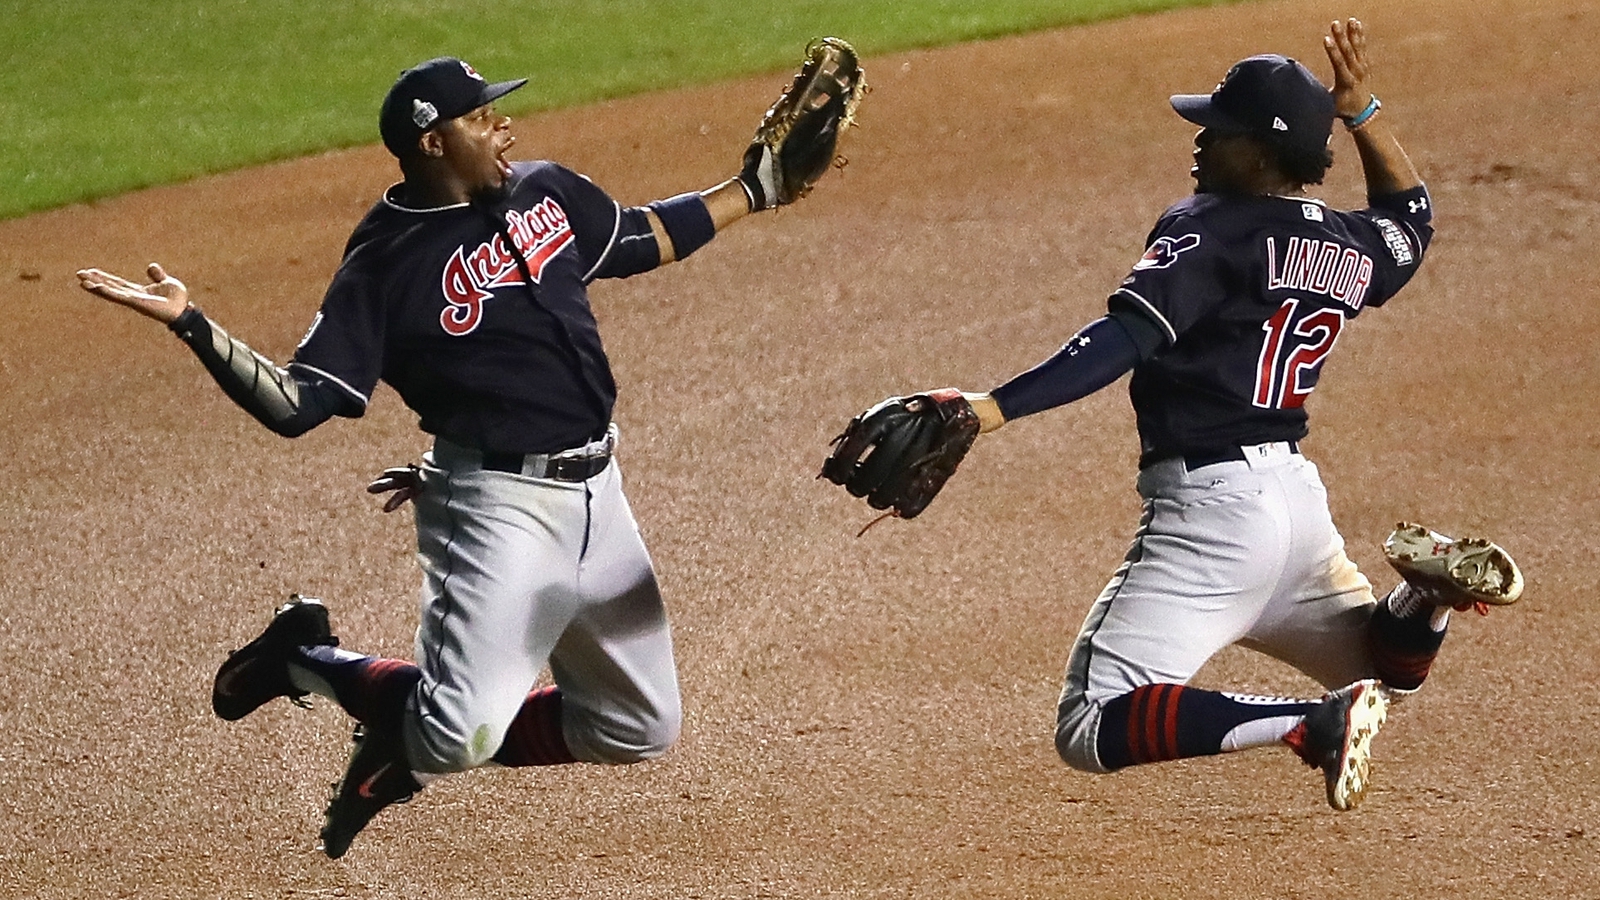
(1460, 573)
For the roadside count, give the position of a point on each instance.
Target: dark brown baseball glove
(798, 138)
(899, 453)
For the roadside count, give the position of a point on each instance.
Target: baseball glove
(798, 138)
(899, 453)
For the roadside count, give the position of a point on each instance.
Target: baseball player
(1225, 323)
(465, 288)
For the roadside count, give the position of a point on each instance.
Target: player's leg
(499, 555)
(1327, 623)
(615, 698)
(1323, 631)
(296, 655)
(1200, 572)
(1318, 621)
(1439, 574)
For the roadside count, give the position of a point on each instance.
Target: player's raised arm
(687, 222)
(283, 402)
(1387, 167)
(794, 146)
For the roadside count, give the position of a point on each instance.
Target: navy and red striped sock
(535, 737)
(1403, 648)
(372, 689)
(1158, 722)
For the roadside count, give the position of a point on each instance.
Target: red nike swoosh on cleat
(365, 788)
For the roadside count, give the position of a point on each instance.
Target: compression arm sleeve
(1100, 353)
(283, 401)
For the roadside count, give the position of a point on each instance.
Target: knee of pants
(435, 747)
(618, 741)
(1077, 730)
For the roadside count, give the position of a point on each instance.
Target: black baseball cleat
(1336, 737)
(377, 776)
(259, 671)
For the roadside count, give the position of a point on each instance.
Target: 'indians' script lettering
(469, 279)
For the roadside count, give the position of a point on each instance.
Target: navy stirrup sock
(1158, 722)
(1402, 649)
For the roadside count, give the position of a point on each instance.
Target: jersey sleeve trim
(1149, 310)
(611, 242)
(334, 381)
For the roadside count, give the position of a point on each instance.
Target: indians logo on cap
(465, 67)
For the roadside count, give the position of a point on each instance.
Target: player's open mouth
(500, 157)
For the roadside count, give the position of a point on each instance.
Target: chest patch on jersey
(470, 277)
(1394, 237)
(1164, 252)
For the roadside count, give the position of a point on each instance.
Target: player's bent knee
(1077, 731)
(618, 743)
(437, 751)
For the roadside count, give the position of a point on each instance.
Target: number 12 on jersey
(1292, 353)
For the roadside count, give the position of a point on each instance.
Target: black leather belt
(543, 465)
(1199, 459)
(577, 464)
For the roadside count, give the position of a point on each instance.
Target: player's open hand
(164, 299)
(405, 481)
(1346, 43)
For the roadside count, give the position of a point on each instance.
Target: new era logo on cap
(1269, 96)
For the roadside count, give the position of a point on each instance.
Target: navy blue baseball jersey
(1252, 294)
(478, 314)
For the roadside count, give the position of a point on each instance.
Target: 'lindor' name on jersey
(1319, 267)
(469, 278)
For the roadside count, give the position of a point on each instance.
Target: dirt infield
(864, 717)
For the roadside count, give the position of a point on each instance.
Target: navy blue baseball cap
(1269, 96)
(433, 92)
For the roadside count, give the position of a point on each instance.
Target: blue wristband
(688, 222)
(1361, 118)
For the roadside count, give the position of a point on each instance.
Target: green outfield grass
(104, 96)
